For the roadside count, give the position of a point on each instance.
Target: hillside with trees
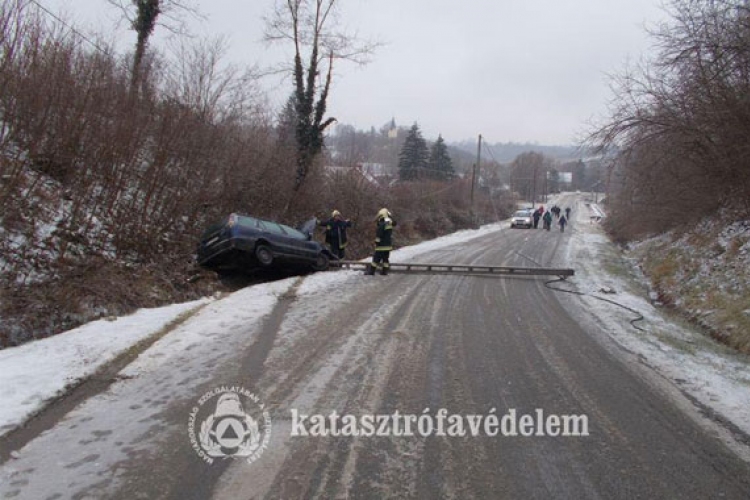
(681, 123)
(506, 152)
(678, 135)
(107, 184)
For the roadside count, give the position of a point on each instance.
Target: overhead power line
(489, 150)
(71, 28)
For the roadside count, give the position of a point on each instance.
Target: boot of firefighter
(384, 270)
(370, 270)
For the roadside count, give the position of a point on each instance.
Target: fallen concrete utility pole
(464, 269)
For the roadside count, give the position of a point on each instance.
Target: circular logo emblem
(229, 422)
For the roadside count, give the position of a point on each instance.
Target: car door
(282, 245)
(312, 248)
(300, 244)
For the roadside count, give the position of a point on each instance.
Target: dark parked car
(245, 243)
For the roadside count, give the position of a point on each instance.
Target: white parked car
(522, 218)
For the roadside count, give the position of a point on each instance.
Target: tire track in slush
(349, 369)
(196, 480)
(418, 372)
(468, 344)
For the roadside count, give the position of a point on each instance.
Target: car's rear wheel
(264, 255)
(321, 262)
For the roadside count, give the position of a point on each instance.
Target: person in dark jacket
(537, 215)
(562, 223)
(547, 220)
(383, 243)
(336, 233)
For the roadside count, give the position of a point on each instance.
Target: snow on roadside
(36, 372)
(704, 271)
(133, 419)
(465, 235)
(410, 252)
(714, 375)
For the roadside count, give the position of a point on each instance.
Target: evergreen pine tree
(414, 155)
(440, 164)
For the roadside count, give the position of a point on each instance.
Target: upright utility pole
(474, 171)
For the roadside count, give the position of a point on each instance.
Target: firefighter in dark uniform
(336, 233)
(383, 243)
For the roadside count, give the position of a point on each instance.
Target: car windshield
(521, 213)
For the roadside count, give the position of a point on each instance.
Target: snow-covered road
(151, 397)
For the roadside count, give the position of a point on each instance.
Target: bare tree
(200, 80)
(527, 173)
(311, 27)
(681, 122)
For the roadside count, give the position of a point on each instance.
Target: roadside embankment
(704, 272)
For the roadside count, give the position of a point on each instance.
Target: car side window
(271, 227)
(245, 221)
(293, 232)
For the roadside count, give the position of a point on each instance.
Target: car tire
(321, 262)
(264, 255)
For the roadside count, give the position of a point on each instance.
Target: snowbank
(34, 373)
(709, 372)
(704, 272)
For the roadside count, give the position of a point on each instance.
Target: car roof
(254, 220)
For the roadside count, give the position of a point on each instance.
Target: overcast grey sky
(512, 70)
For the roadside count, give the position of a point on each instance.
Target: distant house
(375, 174)
(333, 170)
(393, 133)
(390, 129)
(373, 169)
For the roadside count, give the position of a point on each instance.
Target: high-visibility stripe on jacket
(384, 235)
(336, 232)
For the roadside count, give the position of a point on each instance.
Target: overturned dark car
(243, 243)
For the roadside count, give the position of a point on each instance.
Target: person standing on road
(567, 212)
(383, 243)
(547, 220)
(562, 223)
(336, 233)
(537, 216)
